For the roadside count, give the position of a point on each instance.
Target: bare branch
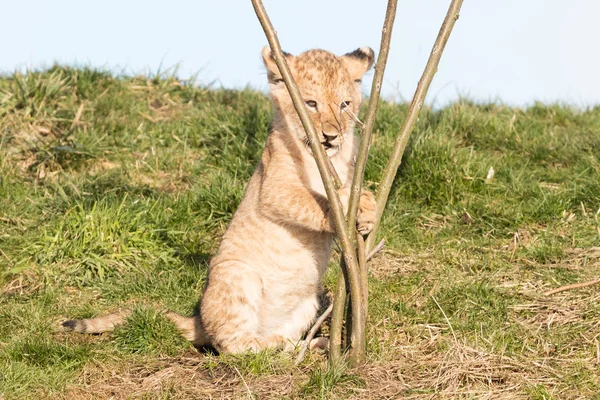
(359, 171)
(364, 277)
(312, 332)
(376, 249)
(337, 320)
(363, 152)
(572, 286)
(413, 112)
(348, 250)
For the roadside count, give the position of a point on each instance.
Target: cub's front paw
(366, 213)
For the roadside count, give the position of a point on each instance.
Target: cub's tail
(190, 327)
(97, 325)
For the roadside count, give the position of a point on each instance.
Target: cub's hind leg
(254, 344)
(230, 308)
(290, 323)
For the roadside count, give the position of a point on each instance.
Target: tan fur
(264, 282)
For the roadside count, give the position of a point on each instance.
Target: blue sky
(514, 51)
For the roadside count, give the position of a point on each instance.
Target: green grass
(114, 193)
(146, 332)
(324, 380)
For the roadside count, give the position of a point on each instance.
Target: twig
(348, 250)
(413, 112)
(376, 250)
(572, 286)
(336, 178)
(244, 381)
(362, 264)
(363, 151)
(311, 334)
(446, 318)
(337, 320)
(349, 111)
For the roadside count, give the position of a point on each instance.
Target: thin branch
(363, 151)
(446, 318)
(348, 250)
(572, 286)
(248, 391)
(337, 320)
(358, 349)
(312, 332)
(339, 304)
(364, 277)
(376, 250)
(413, 112)
(336, 178)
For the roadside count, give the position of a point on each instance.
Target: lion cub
(265, 280)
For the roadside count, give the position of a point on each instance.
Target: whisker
(349, 111)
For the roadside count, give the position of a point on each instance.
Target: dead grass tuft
(190, 376)
(388, 263)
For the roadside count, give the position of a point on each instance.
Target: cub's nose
(330, 136)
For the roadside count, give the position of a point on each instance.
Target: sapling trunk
(354, 273)
(357, 179)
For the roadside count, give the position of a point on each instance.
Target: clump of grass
(146, 332)
(325, 380)
(470, 306)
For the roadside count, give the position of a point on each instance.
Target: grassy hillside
(114, 193)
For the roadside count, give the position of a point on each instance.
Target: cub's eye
(344, 104)
(311, 103)
(358, 81)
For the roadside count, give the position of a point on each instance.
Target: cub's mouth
(330, 149)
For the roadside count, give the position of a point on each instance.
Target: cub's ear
(359, 61)
(272, 71)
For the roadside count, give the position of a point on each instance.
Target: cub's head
(331, 89)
